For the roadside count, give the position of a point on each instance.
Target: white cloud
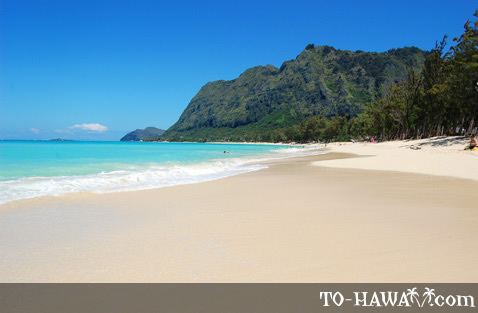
(93, 127)
(34, 130)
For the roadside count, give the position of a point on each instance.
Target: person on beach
(473, 144)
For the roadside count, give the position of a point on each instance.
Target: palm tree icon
(429, 292)
(413, 294)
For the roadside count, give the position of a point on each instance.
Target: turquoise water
(36, 168)
(49, 158)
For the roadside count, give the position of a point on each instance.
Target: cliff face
(320, 81)
(149, 133)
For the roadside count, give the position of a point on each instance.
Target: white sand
(441, 156)
(292, 222)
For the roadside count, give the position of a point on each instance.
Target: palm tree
(429, 292)
(413, 294)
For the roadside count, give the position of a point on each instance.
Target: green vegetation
(440, 99)
(327, 94)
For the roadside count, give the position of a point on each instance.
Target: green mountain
(149, 133)
(321, 81)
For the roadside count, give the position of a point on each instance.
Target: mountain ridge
(321, 80)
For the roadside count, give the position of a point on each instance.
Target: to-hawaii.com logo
(409, 298)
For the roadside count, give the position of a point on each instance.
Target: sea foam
(141, 177)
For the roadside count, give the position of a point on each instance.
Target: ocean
(30, 169)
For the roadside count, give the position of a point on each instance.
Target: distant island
(60, 139)
(147, 134)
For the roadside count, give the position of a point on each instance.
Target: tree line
(439, 99)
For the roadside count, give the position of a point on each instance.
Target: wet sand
(292, 222)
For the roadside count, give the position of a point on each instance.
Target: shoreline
(291, 222)
(266, 163)
(448, 160)
(151, 176)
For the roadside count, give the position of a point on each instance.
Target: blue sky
(97, 69)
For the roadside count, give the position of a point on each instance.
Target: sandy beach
(357, 213)
(440, 156)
